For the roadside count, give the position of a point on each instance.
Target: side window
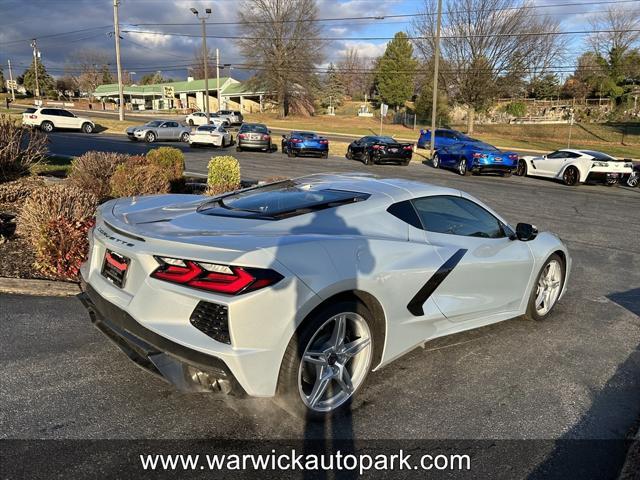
(172, 124)
(65, 113)
(443, 135)
(573, 155)
(49, 111)
(457, 216)
(557, 154)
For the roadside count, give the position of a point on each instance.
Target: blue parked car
(303, 143)
(475, 157)
(444, 138)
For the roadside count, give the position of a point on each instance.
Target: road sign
(12, 84)
(168, 91)
(383, 109)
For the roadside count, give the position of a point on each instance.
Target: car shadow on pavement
(596, 446)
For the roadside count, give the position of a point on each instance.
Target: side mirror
(269, 131)
(284, 136)
(526, 232)
(544, 157)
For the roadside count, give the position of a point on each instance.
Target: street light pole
(218, 79)
(205, 59)
(436, 60)
(13, 92)
(116, 31)
(34, 45)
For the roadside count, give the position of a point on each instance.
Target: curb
(40, 288)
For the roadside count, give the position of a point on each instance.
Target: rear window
(29, 110)
(247, 127)
(279, 200)
(599, 155)
(206, 128)
(385, 140)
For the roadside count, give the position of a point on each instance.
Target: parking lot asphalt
(574, 376)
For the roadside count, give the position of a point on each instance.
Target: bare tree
(89, 68)
(354, 73)
(616, 30)
(282, 43)
(197, 69)
(484, 40)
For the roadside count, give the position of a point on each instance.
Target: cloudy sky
(65, 26)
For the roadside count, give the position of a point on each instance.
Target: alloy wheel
(435, 161)
(335, 362)
(570, 176)
(522, 169)
(548, 288)
(462, 167)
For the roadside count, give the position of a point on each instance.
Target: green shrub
(92, 172)
(138, 176)
(62, 247)
(516, 109)
(20, 149)
(223, 175)
(51, 202)
(169, 158)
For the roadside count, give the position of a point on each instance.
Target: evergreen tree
(396, 71)
(333, 91)
(107, 76)
(45, 81)
(545, 87)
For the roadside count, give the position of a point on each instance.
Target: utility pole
(218, 79)
(205, 59)
(436, 61)
(34, 45)
(116, 24)
(13, 93)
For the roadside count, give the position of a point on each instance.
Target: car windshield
(248, 127)
(154, 123)
(599, 155)
(304, 134)
(485, 147)
(278, 200)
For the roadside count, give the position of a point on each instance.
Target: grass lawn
(53, 165)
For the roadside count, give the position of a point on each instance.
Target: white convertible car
(298, 289)
(575, 166)
(217, 136)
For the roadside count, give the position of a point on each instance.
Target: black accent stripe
(415, 305)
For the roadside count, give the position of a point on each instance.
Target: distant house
(234, 95)
(20, 90)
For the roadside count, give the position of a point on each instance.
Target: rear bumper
(493, 168)
(187, 369)
(604, 177)
(393, 157)
(257, 144)
(310, 150)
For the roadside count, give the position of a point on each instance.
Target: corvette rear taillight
(408, 147)
(296, 140)
(377, 147)
(324, 142)
(227, 279)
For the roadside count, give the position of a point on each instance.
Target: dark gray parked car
(160, 130)
(255, 136)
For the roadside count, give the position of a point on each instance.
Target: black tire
(46, 126)
(184, 137)
(291, 153)
(325, 154)
(405, 163)
(238, 148)
(224, 143)
(367, 158)
(507, 174)
(288, 394)
(87, 128)
(150, 137)
(521, 171)
(435, 161)
(349, 154)
(632, 181)
(462, 168)
(571, 176)
(532, 313)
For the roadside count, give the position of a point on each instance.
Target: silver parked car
(165, 130)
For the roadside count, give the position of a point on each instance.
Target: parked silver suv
(234, 116)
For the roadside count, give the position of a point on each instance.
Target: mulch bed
(17, 259)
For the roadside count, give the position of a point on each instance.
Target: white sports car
(575, 166)
(211, 135)
(297, 289)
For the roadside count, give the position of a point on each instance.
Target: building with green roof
(187, 94)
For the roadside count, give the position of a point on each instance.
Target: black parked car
(254, 136)
(380, 150)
